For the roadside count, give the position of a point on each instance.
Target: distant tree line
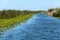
(6, 14)
(56, 13)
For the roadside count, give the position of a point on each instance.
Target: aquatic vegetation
(9, 23)
(39, 27)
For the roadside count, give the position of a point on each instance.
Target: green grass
(9, 23)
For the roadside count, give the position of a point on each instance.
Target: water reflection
(39, 27)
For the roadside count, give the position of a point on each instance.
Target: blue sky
(29, 4)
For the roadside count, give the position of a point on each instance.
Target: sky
(29, 4)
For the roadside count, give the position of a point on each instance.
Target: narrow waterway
(39, 27)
